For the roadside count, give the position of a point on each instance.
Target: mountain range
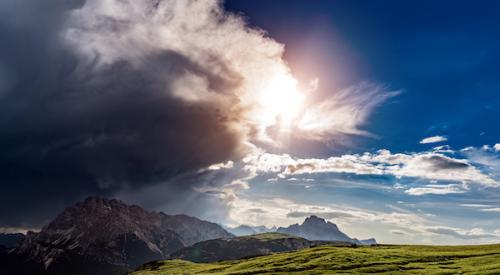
(110, 235)
(106, 236)
(313, 228)
(245, 230)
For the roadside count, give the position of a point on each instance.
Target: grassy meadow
(383, 259)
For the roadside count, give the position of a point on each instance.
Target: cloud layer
(427, 165)
(107, 97)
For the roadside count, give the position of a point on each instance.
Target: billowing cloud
(434, 139)
(111, 96)
(485, 156)
(429, 165)
(497, 147)
(151, 101)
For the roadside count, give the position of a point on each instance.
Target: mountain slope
(242, 247)
(111, 234)
(394, 259)
(193, 230)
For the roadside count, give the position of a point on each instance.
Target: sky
(378, 116)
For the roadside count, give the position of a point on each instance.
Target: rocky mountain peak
(315, 221)
(316, 228)
(116, 233)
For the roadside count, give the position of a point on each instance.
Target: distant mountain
(193, 230)
(243, 247)
(245, 230)
(315, 228)
(370, 241)
(101, 236)
(9, 240)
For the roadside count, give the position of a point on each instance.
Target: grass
(384, 259)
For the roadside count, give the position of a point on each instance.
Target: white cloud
(224, 165)
(343, 112)
(474, 205)
(433, 166)
(496, 209)
(433, 139)
(497, 147)
(106, 31)
(436, 189)
(398, 185)
(485, 157)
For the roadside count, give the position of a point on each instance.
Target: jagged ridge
(112, 232)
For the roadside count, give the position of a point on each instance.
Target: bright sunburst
(281, 101)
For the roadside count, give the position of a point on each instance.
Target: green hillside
(481, 259)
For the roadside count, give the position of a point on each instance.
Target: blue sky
(443, 60)
(443, 56)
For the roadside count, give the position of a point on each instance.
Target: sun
(281, 101)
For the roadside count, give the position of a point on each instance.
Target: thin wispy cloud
(496, 209)
(475, 233)
(344, 112)
(434, 139)
(437, 189)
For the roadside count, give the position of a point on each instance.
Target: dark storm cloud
(70, 128)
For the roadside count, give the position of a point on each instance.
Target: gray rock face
(114, 233)
(315, 228)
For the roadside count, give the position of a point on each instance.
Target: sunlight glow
(281, 101)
